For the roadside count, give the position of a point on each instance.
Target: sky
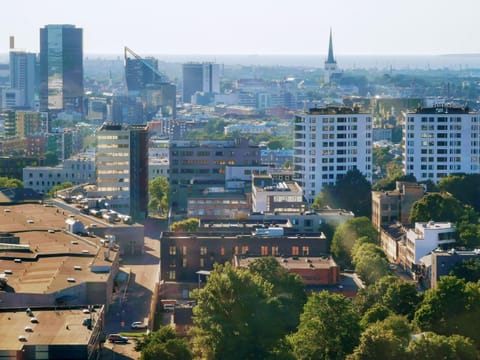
(262, 27)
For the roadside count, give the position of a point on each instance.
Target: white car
(138, 325)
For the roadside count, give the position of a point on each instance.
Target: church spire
(330, 58)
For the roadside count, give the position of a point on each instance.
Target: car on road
(138, 325)
(117, 338)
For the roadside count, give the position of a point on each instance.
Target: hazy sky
(251, 26)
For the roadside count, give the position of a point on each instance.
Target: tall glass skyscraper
(22, 76)
(61, 68)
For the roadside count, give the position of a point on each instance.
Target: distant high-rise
(122, 168)
(329, 142)
(61, 68)
(203, 77)
(22, 77)
(330, 64)
(440, 140)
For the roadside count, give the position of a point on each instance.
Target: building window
(264, 250)
(184, 262)
(171, 275)
(172, 250)
(222, 251)
(184, 250)
(244, 249)
(203, 250)
(202, 262)
(274, 250)
(305, 250)
(295, 251)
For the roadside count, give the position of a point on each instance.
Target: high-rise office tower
(203, 77)
(144, 81)
(61, 68)
(22, 77)
(440, 140)
(330, 68)
(328, 142)
(122, 168)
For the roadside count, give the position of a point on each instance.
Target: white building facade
(426, 237)
(441, 140)
(329, 142)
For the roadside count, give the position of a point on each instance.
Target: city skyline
(247, 27)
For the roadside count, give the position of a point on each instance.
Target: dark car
(117, 338)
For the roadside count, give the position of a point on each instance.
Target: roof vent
(70, 279)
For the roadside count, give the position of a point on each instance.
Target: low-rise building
(183, 255)
(270, 196)
(312, 270)
(425, 238)
(218, 204)
(51, 333)
(393, 206)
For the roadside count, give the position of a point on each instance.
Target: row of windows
(264, 250)
(65, 175)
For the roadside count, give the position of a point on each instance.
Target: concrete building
(394, 206)
(48, 265)
(425, 238)
(30, 123)
(219, 204)
(22, 76)
(122, 168)
(78, 170)
(202, 77)
(328, 142)
(198, 165)
(442, 262)
(441, 140)
(182, 255)
(61, 68)
(51, 333)
(269, 196)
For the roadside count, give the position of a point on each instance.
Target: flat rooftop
(54, 259)
(292, 263)
(51, 328)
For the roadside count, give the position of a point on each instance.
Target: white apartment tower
(328, 142)
(441, 140)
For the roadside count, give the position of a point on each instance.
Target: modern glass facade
(61, 68)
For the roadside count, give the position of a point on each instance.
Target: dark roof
(394, 230)
(12, 196)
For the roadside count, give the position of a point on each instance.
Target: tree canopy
(163, 344)
(347, 235)
(431, 346)
(329, 328)
(468, 270)
(351, 192)
(190, 224)
(436, 207)
(10, 183)
(466, 188)
(64, 185)
(236, 316)
(158, 190)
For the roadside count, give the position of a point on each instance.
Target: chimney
(12, 42)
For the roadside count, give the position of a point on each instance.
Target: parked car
(117, 338)
(138, 325)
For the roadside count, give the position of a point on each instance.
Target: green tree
(62, 186)
(370, 263)
(376, 343)
(377, 312)
(236, 316)
(466, 188)
(10, 183)
(329, 328)
(287, 287)
(158, 190)
(430, 346)
(187, 225)
(436, 207)
(452, 308)
(163, 344)
(347, 234)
